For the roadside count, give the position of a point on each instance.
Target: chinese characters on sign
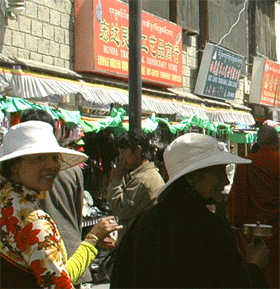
(270, 92)
(161, 44)
(223, 75)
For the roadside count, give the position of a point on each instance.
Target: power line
(236, 22)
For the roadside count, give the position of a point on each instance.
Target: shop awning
(29, 85)
(149, 125)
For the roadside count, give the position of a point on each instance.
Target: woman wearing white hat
(179, 243)
(32, 252)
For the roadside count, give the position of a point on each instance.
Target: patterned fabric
(64, 204)
(30, 238)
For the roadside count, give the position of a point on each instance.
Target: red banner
(270, 92)
(161, 44)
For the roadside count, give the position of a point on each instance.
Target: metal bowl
(257, 230)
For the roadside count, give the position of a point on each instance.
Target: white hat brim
(69, 157)
(219, 158)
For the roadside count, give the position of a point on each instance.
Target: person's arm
(86, 252)
(257, 256)
(80, 260)
(126, 201)
(225, 264)
(42, 248)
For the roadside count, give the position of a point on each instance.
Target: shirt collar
(18, 188)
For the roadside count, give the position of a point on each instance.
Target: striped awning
(30, 85)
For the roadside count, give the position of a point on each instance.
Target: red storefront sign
(270, 92)
(265, 83)
(102, 42)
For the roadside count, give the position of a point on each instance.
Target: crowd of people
(167, 235)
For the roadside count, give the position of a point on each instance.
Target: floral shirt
(29, 236)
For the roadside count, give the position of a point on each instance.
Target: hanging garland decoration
(67, 123)
(14, 104)
(116, 121)
(149, 125)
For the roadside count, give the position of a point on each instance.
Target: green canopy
(149, 125)
(114, 120)
(13, 104)
(244, 137)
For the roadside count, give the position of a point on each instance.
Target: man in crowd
(129, 195)
(179, 243)
(255, 198)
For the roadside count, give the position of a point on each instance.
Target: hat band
(175, 168)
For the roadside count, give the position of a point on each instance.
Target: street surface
(100, 286)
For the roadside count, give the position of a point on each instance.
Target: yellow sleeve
(80, 261)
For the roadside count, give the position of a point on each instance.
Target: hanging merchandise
(67, 123)
(64, 130)
(58, 130)
(67, 133)
(14, 118)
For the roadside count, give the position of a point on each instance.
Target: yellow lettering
(125, 65)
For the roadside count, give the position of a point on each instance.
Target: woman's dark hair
(37, 114)
(6, 171)
(134, 138)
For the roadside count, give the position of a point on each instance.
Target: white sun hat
(191, 152)
(36, 137)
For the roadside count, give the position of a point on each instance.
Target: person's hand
(107, 244)
(257, 253)
(102, 229)
(118, 169)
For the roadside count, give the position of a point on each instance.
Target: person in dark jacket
(179, 243)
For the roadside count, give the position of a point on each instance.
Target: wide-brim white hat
(191, 152)
(36, 137)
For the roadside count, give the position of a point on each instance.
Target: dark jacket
(179, 243)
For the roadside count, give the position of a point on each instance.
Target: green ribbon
(13, 104)
(115, 121)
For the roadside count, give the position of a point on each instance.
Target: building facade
(39, 38)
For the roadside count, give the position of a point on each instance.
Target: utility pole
(203, 26)
(251, 40)
(135, 76)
